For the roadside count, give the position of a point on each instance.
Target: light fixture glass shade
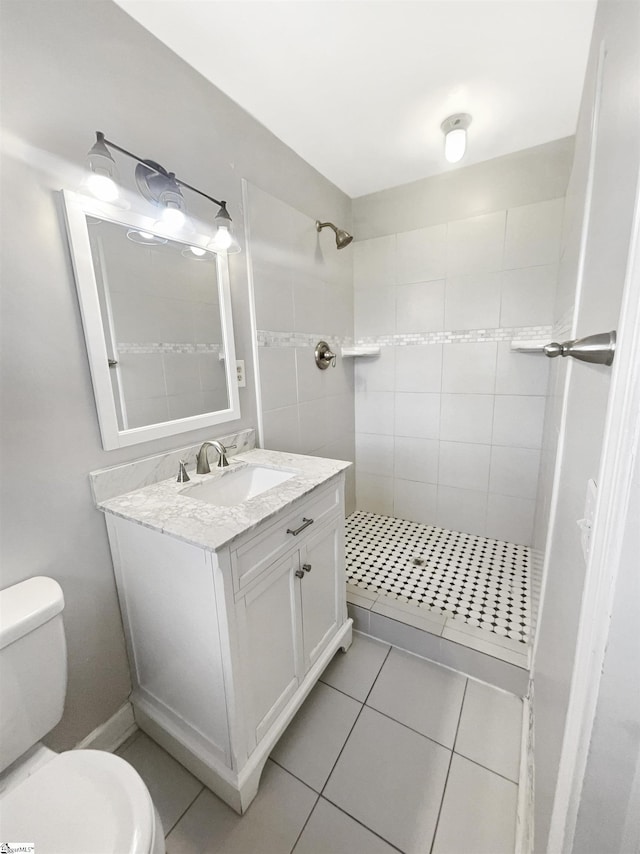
(455, 145)
(146, 238)
(455, 136)
(101, 180)
(223, 239)
(173, 217)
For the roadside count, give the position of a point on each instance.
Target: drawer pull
(299, 573)
(296, 531)
(306, 567)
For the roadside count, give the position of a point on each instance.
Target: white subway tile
(461, 510)
(312, 416)
(533, 234)
(521, 373)
(469, 368)
(420, 308)
(472, 301)
(466, 418)
(375, 311)
(374, 262)
(419, 368)
(376, 373)
(374, 454)
(475, 245)
(421, 254)
(281, 430)
(375, 412)
(414, 501)
(416, 459)
(464, 466)
(417, 415)
(277, 376)
(510, 519)
(528, 296)
(374, 493)
(514, 471)
(518, 421)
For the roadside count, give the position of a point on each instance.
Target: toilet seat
(82, 802)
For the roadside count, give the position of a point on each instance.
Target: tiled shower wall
(448, 419)
(303, 293)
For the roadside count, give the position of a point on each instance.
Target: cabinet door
(322, 560)
(271, 644)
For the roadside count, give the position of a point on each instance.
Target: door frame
(620, 446)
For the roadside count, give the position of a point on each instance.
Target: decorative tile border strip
(130, 348)
(460, 336)
(299, 339)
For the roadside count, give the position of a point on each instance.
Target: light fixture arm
(156, 167)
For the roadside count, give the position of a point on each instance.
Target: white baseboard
(112, 733)
(524, 817)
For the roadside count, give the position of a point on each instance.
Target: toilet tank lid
(27, 605)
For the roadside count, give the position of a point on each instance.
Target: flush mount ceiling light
(454, 129)
(158, 186)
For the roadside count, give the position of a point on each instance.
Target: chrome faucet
(203, 461)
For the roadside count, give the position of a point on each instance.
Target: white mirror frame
(77, 208)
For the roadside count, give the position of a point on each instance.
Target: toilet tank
(33, 664)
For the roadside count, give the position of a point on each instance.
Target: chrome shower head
(343, 238)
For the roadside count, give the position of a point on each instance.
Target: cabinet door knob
(306, 567)
(299, 573)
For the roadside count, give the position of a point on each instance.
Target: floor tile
(420, 694)
(391, 779)
(171, 786)
(478, 812)
(355, 671)
(475, 580)
(271, 825)
(331, 831)
(490, 729)
(313, 740)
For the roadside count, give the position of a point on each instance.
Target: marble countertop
(164, 507)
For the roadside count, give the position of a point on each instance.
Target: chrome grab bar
(598, 349)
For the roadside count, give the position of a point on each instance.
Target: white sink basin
(238, 486)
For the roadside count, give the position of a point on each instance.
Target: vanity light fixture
(158, 186)
(145, 237)
(455, 136)
(102, 178)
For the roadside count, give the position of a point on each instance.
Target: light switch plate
(242, 379)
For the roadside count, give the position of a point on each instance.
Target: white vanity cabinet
(225, 645)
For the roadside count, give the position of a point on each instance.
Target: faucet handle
(183, 477)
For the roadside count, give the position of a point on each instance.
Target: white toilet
(69, 803)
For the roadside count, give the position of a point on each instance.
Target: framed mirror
(156, 311)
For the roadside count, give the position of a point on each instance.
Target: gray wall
(589, 294)
(69, 68)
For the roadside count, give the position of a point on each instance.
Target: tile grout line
(444, 789)
(339, 754)
(184, 812)
(490, 770)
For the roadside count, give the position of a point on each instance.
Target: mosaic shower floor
(475, 580)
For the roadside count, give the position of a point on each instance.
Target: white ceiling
(359, 88)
